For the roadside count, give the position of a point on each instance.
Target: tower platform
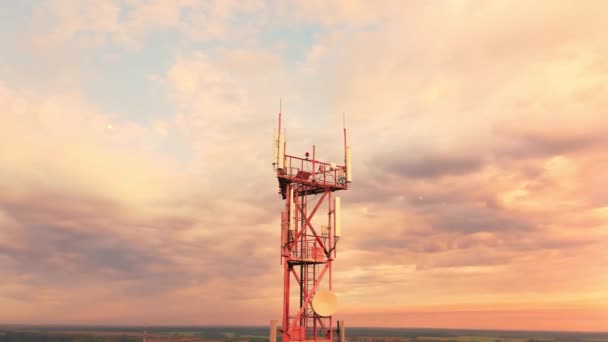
(317, 176)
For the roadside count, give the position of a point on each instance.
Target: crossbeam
(307, 223)
(309, 296)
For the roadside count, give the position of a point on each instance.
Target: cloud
(83, 205)
(339, 13)
(127, 24)
(428, 165)
(470, 141)
(549, 138)
(250, 64)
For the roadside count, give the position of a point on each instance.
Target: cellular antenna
(278, 142)
(347, 160)
(307, 251)
(344, 128)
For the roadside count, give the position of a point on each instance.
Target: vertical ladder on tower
(310, 284)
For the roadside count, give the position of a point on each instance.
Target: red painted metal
(307, 253)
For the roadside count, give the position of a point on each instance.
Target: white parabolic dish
(324, 303)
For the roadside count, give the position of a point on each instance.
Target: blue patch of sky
(294, 42)
(302, 101)
(14, 19)
(112, 78)
(313, 103)
(13, 15)
(120, 83)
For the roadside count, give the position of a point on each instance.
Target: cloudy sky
(136, 184)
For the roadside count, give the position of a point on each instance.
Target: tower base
(341, 331)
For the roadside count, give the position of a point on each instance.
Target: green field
(260, 334)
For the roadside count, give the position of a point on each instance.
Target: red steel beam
(295, 274)
(314, 210)
(309, 296)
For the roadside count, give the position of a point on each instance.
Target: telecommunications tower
(308, 243)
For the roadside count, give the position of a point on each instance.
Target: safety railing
(310, 249)
(314, 171)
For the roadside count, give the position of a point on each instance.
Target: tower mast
(308, 249)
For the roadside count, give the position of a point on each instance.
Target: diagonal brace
(309, 296)
(307, 223)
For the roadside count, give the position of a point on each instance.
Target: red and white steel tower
(308, 251)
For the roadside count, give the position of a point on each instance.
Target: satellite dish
(324, 303)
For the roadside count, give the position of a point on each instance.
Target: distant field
(260, 334)
(473, 339)
(432, 338)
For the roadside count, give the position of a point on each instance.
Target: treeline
(12, 336)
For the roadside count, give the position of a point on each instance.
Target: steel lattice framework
(307, 252)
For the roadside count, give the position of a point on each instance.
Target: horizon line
(4, 325)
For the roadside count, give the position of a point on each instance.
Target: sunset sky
(136, 184)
